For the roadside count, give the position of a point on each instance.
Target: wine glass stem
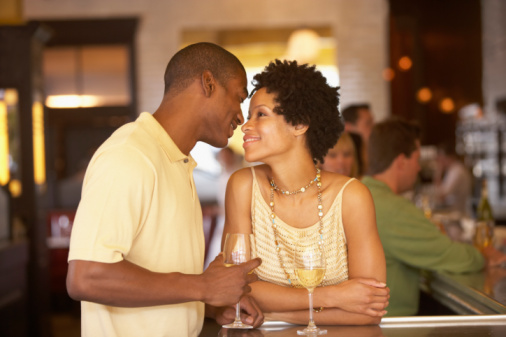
(311, 321)
(238, 313)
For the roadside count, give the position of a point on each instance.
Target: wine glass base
(312, 332)
(237, 325)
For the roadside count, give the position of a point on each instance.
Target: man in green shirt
(411, 242)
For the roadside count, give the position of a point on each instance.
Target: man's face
(225, 112)
(364, 123)
(410, 170)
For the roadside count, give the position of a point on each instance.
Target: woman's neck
(291, 175)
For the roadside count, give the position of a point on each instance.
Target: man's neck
(178, 120)
(388, 178)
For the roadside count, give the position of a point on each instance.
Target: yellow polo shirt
(139, 203)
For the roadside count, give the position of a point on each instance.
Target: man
(410, 241)
(137, 246)
(452, 180)
(358, 121)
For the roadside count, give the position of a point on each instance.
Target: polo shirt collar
(169, 147)
(370, 181)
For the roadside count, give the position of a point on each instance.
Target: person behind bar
(358, 121)
(342, 158)
(293, 120)
(411, 242)
(452, 180)
(137, 245)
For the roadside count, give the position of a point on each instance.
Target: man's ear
(300, 129)
(208, 83)
(400, 161)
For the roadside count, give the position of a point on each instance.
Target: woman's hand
(360, 295)
(250, 313)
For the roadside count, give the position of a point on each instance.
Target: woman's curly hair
(304, 97)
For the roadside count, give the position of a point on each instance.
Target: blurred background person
(452, 180)
(342, 158)
(411, 242)
(358, 120)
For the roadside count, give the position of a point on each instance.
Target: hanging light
(446, 105)
(405, 63)
(303, 46)
(388, 74)
(424, 95)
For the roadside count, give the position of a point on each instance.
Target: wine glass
(309, 267)
(236, 250)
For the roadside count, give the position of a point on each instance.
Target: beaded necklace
(300, 190)
(273, 217)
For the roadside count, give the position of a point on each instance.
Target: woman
(342, 158)
(292, 122)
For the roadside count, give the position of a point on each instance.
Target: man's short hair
(350, 113)
(190, 62)
(389, 139)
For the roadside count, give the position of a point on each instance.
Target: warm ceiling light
(388, 74)
(39, 155)
(11, 96)
(4, 145)
(447, 105)
(405, 63)
(15, 188)
(424, 95)
(71, 101)
(303, 46)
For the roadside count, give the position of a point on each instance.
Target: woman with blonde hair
(342, 158)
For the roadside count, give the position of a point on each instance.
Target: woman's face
(339, 160)
(266, 134)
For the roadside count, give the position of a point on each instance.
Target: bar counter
(419, 326)
(481, 293)
(478, 300)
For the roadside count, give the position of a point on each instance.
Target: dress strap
(253, 173)
(346, 184)
(253, 198)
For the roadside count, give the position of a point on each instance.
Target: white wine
(310, 278)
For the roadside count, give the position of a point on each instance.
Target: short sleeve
(116, 195)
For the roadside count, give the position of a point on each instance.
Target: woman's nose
(246, 126)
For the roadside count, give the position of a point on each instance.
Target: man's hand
(224, 286)
(360, 295)
(250, 313)
(494, 257)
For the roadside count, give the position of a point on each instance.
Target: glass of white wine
(309, 267)
(236, 250)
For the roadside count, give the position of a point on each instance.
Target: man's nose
(240, 118)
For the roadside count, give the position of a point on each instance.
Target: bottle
(484, 220)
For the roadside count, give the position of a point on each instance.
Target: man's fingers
(251, 264)
(250, 278)
(219, 258)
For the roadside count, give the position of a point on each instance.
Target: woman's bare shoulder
(354, 187)
(245, 174)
